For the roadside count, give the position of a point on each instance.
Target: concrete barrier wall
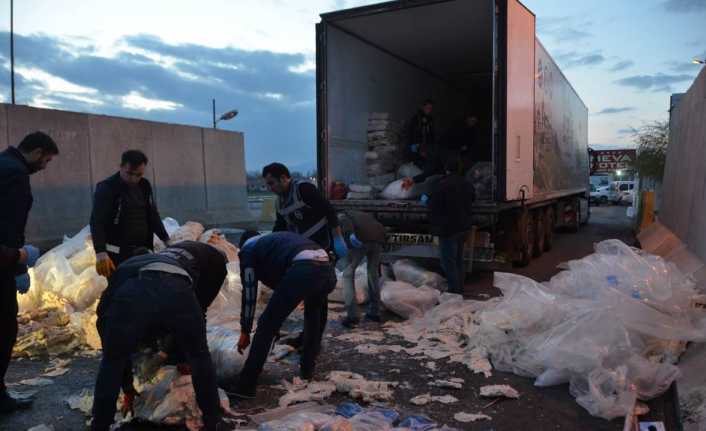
(198, 174)
(683, 206)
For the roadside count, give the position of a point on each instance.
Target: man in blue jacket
(16, 165)
(296, 269)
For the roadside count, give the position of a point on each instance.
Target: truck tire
(540, 235)
(549, 229)
(523, 238)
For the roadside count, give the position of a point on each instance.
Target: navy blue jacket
(15, 203)
(268, 259)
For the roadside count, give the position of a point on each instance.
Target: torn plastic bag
(410, 272)
(604, 393)
(370, 420)
(406, 300)
(222, 343)
(301, 421)
(214, 238)
(189, 231)
(408, 170)
(361, 286)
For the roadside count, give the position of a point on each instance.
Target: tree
(652, 141)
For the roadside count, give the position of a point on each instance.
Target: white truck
(482, 55)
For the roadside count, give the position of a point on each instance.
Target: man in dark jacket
(365, 236)
(153, 295)
(16, 165)
(420, 134)
(450, 204)
(303, 210)
(296, 269)
(124, 216)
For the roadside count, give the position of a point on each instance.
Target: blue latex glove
(414, 148)
(22, 283)
(355, 242)
(339, 246)
(424, 199)
(32, 254)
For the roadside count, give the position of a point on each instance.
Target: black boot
(9, 404)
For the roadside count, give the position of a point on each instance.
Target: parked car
(619, 189)
(600, 195)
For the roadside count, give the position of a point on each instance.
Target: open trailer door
(519, 94)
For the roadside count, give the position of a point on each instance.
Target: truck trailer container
(479, 56)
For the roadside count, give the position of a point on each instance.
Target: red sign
(609, 161)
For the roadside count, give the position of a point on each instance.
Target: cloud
(612, 110)
(659, 82)
(684, 6)
(622, 65)
(151, 79)
(564, 28)
(575, 59)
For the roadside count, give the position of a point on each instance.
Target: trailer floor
(537, 409)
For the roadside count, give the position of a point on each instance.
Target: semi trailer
(481, 56)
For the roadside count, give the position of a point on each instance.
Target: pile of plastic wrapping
(612, 325)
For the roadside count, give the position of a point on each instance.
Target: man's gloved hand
(184, 369)
(355, 242)
(22, 282)
(424, 199)
(414, 148)
(104, 265)
(407, 183)
(127, 404)
(31, 255)
(339, 246)
(243, 342)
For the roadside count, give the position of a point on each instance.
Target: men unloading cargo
(420, 135)
(450, 204)
(464, 139)
(153, 295)
(16, 165)
(124, 216)
(296, 269)
(365, 236)
(303, 210)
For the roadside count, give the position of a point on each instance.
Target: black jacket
(106, 220)
(15, 203)
(421, 133)
(316, 207)
(450, 204)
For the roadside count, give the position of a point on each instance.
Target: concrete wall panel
(683, 208)
(178, 168)
(197, 174)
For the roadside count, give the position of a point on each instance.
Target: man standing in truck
(124, 216)
(420, 134)
(16, 165)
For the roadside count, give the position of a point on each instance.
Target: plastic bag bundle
(223, 345)
(410, 272)
(361, 286)
(216, 239)
(394, 191)
(189, 231)
(406, 300)
(408, 170)
(383, 154)
(480, 175)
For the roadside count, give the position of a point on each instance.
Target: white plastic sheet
(394, 191)
(410, 272)
(406, 300)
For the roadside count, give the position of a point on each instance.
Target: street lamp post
(12, 49)
(225, 117)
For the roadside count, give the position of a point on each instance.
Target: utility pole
(214, 113)
(12, 49)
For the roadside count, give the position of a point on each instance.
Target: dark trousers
(8, 324)
(306, 281)
(153, 303)
(451, 254)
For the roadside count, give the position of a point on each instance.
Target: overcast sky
(164, 60)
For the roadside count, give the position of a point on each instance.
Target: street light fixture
(225, 117)
(698, 61)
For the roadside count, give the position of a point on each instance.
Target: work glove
(414, 148)
(184, 369)
(104, 265)
(424, 199)
(22, 282)
(32, 254)
(339, 246)
(243, 342)
(407, 183)
(355, 242)
(127, 404)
